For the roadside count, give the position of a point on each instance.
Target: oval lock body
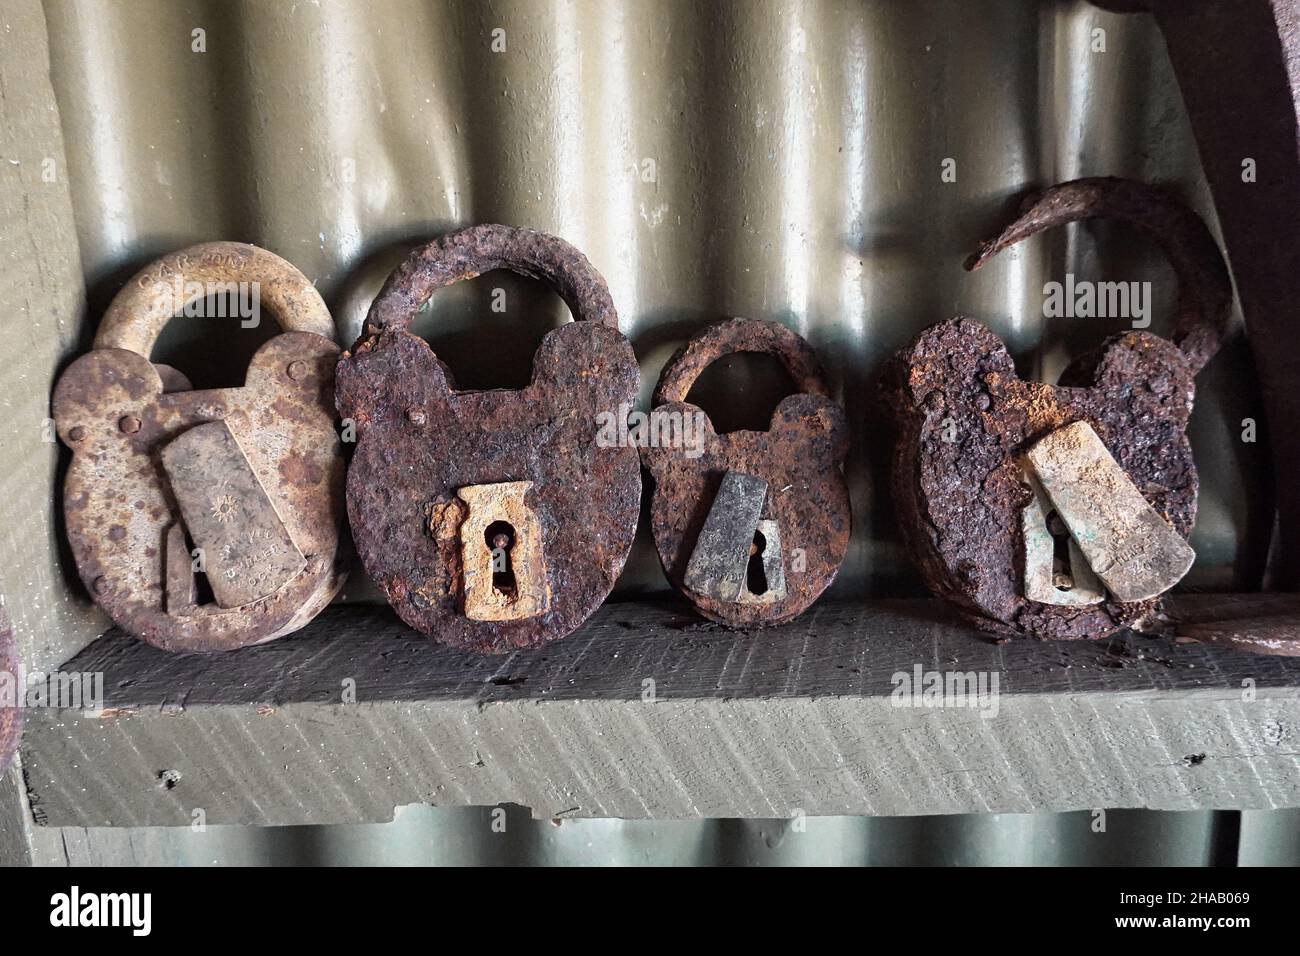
(207, 520)
(1059, 511)
(492, 520)
(751, 526)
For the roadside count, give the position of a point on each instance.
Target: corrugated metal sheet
(466, 836)
(779, 160)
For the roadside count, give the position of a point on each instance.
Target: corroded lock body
(751, 526)
(12, 693)
(239, 488)
(491, 520)
(1059, 511)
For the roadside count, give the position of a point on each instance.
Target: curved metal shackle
(471, 252)
(741, 335)
(138, 313)
(1204, 288)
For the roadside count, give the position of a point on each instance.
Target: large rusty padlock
(1060, 511)
(237, 491)
(751, 526)
(491, 520)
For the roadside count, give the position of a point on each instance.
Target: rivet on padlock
(491, 520)
(502, 566)
(750, 525)
(988, 464)
(239, 487)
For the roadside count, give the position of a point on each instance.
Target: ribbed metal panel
(779, 160)
(508, 836)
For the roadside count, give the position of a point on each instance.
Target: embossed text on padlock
(249, 555)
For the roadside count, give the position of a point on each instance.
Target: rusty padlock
(240, 489)
(751, 526)
(491, 520)
(1059, 511)
(12, 693)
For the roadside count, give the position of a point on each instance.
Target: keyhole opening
(500, 538)
(756, 575)
(1062, 572)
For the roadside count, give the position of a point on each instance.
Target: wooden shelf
(762, 724)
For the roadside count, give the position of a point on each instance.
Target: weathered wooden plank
(41, 305)
(649, 712)
(15, 823)
(42, 301)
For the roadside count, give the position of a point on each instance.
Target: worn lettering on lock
(247, 552)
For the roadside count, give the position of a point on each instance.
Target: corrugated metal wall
(465, 836)
(780, 160)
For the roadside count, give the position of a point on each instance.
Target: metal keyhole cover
(965, 419)
(426, 453)
(800, 457)
(276, 432)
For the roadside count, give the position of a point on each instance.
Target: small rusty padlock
(240, 488)
(1060, 511)
(491, 520)
(751, 526)
(12, 693)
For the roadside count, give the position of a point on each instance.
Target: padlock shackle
(740, 335)
(138, 313)
(1204, 287)
(478, 249)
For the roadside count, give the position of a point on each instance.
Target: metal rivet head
(298, 370)
(415, 415)
(77, 433)
(129, 424)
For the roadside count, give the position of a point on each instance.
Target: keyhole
(1062, 572)
(756, 575)
(500, 538)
